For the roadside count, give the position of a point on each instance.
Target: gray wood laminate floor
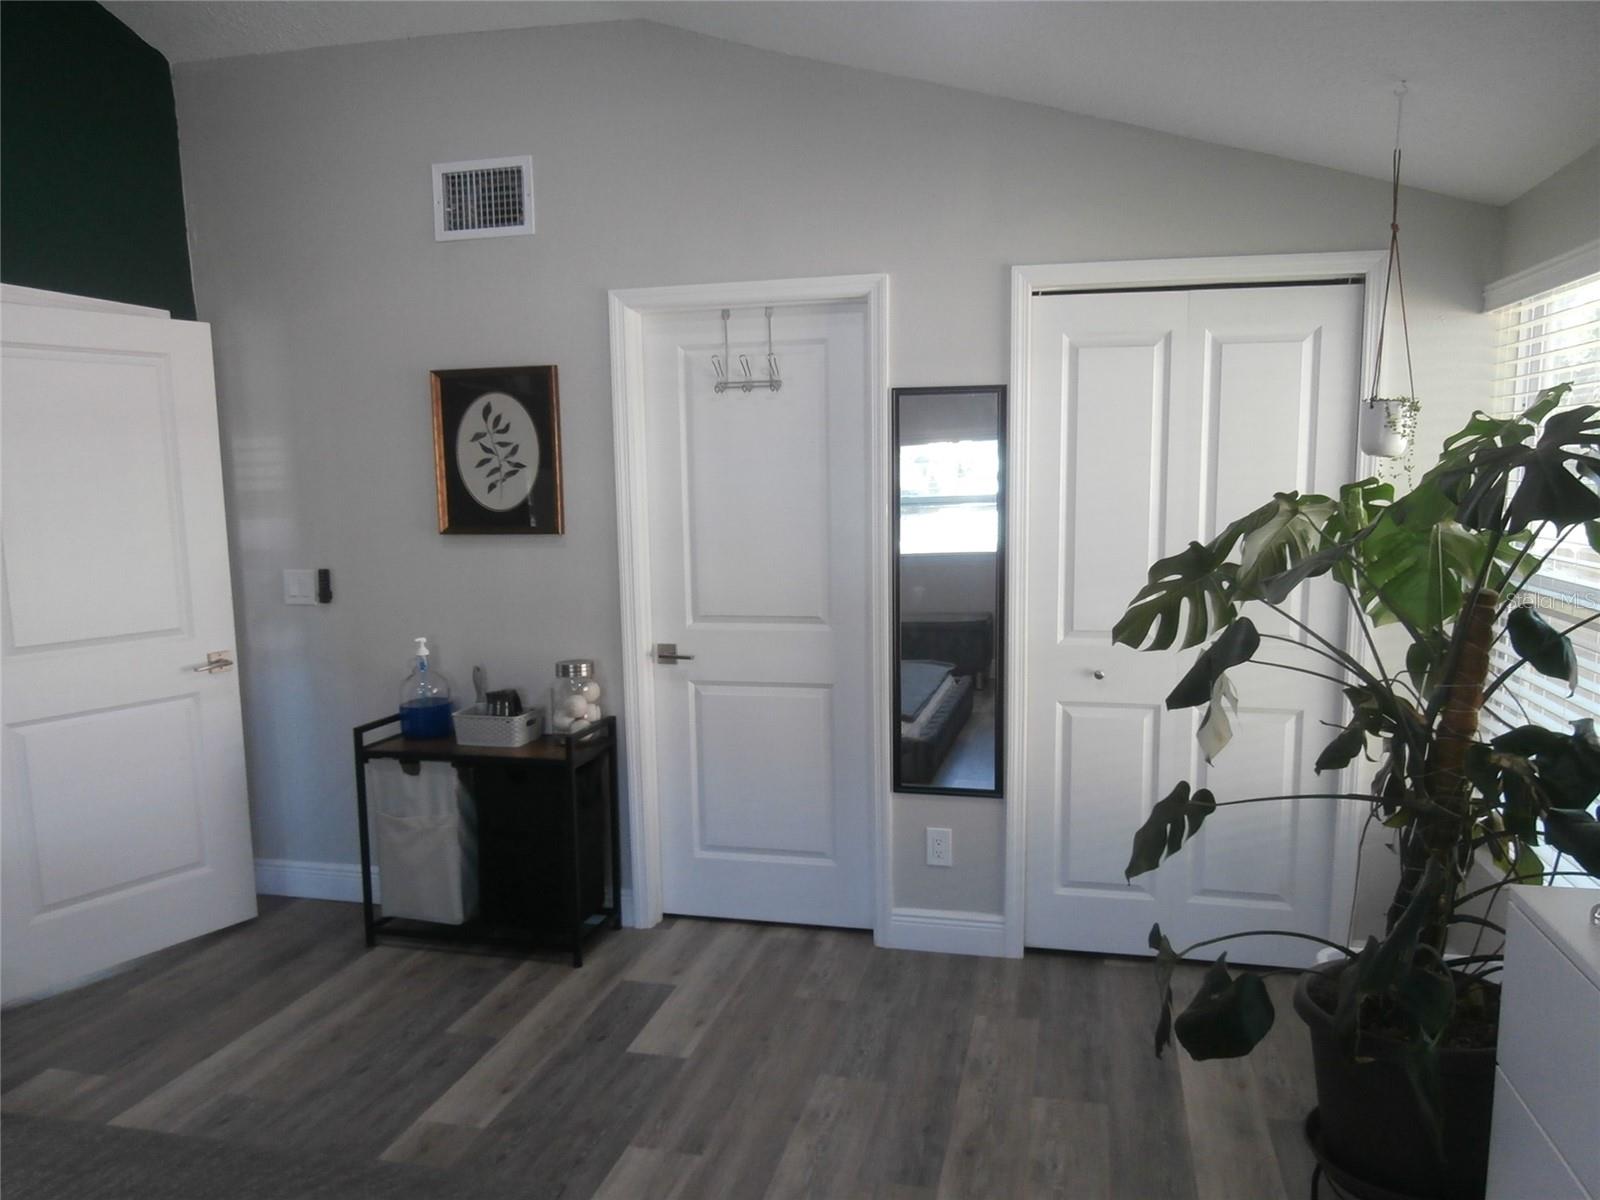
(697, 1059)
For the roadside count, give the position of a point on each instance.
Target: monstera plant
(1447, 564)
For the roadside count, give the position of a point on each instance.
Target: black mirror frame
(1003, 501)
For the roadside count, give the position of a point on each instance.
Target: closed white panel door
(124, 818)
(759, 571)
(1154, 420)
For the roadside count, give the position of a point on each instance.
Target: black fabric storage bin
(524, 851)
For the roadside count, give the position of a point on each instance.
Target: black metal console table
(547, 826)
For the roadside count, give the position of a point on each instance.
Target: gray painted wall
(946, 583)
(660, 158)
(1557, 216)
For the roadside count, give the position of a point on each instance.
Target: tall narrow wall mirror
(949, 589)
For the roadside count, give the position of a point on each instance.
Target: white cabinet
(1546, 1143)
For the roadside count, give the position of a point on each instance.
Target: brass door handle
(217, 660)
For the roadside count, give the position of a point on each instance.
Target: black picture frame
(497, 450)
(1002, 500)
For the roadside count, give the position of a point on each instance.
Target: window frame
(928, 504)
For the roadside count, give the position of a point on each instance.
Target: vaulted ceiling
(1500, 94)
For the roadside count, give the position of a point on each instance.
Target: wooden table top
(544, 750)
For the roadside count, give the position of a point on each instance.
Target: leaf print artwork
(495, 446)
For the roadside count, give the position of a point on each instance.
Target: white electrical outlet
(300, 587)
(941, 847)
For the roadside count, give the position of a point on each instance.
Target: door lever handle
(667, 652)
(217, 660)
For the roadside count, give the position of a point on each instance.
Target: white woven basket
(474, 727)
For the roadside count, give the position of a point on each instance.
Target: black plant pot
(1371, 1131)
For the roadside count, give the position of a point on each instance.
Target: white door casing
(753, 528)
(1154, 419)
(125, 823)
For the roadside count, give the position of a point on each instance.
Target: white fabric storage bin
(426, 830)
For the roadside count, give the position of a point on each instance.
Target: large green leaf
(1569, 768)
(1574, 831)
(1510, 786)
(1277, 536)
(1484, 431)
(1190, 588)
(1197, 589)
(1418, 573)
(1341, 752)
(1551, 488)
(1496, 479)
(1528, 740)
(1228, 1016)
(1166, 963)
(1360, 504)
(1355, 518)
(1236, 644)
(1527, 866)
(1275, 589)
(1171, 820)
(1546, 648)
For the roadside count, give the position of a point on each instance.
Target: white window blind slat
(1546, 340)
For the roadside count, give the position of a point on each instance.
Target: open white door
(758, 530)
(1156, 418)
(124, 819)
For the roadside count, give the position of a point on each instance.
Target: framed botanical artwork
(497, 450)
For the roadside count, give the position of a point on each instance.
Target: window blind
(1547, 339)
(1544, 340)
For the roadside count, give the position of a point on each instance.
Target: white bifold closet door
(1154, 420)
(759, 572)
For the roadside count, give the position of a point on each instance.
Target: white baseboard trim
(946, 931)
(311, 880)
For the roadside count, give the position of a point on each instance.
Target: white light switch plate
(300, 587)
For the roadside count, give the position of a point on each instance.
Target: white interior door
(1155, 419)
(758, 544)
(124, 819)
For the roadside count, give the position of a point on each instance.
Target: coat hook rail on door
(747, 382)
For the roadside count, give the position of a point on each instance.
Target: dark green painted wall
(91, 200)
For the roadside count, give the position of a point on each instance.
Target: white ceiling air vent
(492, 197)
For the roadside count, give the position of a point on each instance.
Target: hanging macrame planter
(1388, 426)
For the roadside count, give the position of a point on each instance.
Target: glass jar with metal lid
(575, 696)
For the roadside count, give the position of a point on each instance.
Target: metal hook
(723, 366)
(774, 381)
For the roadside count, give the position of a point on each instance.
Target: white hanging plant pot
(1387, 425)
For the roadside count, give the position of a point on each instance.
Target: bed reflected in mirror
(949, 538)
